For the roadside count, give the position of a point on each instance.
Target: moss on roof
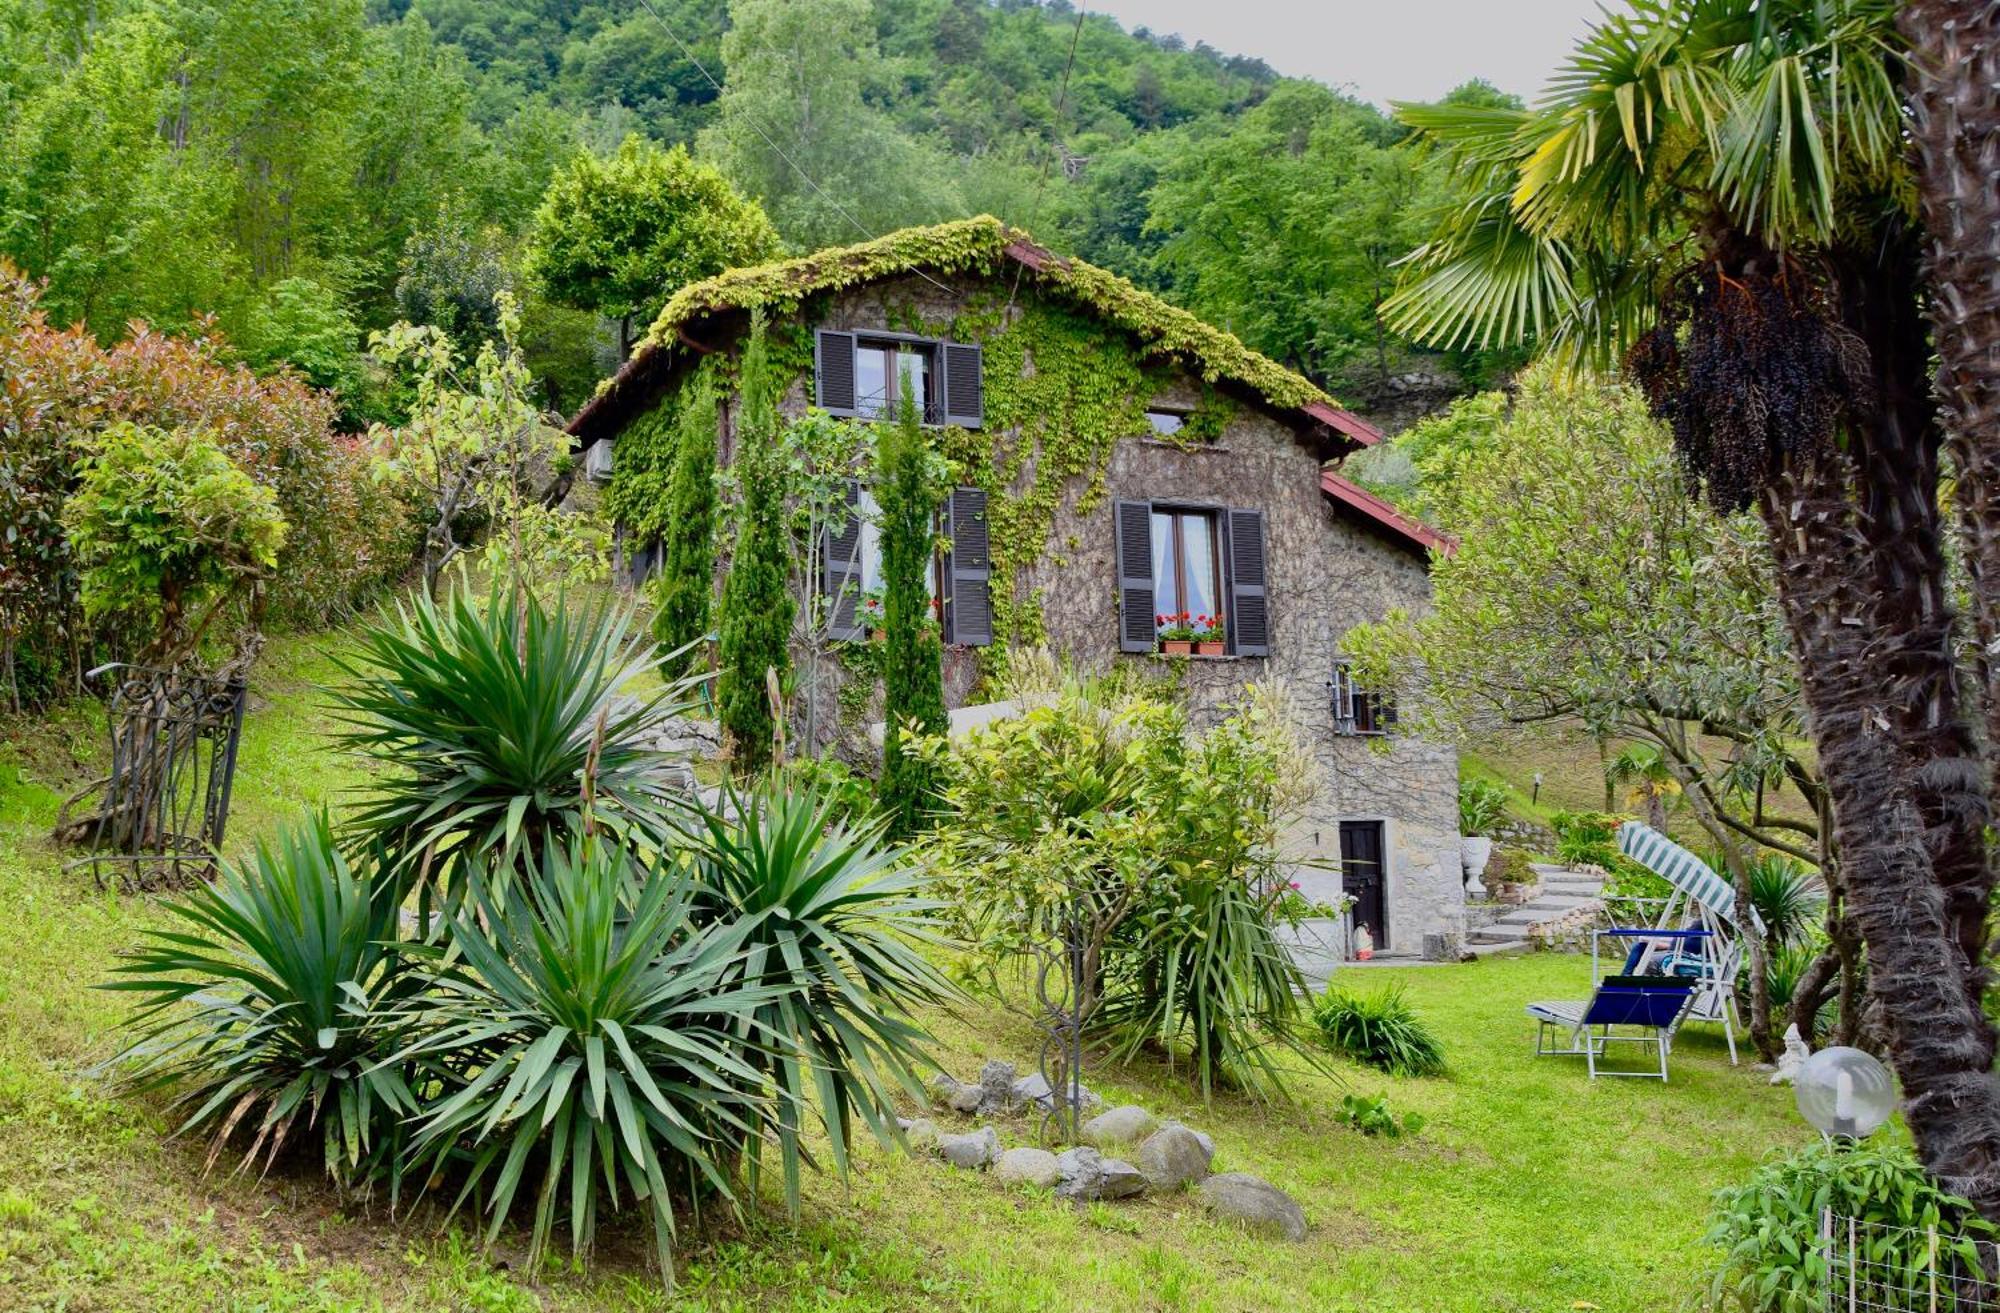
(978, 246)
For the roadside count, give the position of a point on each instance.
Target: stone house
(1121, 461)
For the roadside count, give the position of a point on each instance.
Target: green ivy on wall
(1062, 387)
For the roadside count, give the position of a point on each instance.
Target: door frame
(1384, 936)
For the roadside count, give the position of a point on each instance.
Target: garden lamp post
(1844, 1091)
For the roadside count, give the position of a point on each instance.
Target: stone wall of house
(1326, 574)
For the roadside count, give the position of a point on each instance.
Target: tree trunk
(1954, 80)
(1851, 646)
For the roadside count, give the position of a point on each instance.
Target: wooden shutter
(968, 597)
(964, 388)
(840, 555)
(1136, 630)
(1249, 608)
(1342, 685)
(833, 370)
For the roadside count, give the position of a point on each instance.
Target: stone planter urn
(1474, 851)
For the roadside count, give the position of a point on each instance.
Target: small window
(1167, 423)
(887, 372)
(1187, 569)
(1359, 710)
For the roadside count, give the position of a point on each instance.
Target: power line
(805, 177)
(1041, 184)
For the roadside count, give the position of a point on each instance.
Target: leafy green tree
(618, 236)
(756, 628)
(304, 324)
(1719, 191)
(909, 486)
(686, 585)
(452, 277)
(796, 72)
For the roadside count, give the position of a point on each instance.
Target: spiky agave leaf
(501, 727)
(273, 1002)
(586, 1030)
(832, 917)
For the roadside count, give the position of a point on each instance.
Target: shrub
(829, 913)
(909, 487)
(168, 530)
(1787, 897)
(1372, 1117)
(500, 729)
(295, 982)
(586, 1029)
(1104, 804)
(1380, 1030)
(1585, 838)
(757, 605)
(1768, 1228)
(1481, 804)
(686, 586)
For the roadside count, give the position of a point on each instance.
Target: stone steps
(1511, 930)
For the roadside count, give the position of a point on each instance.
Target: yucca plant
(295, 982)
(584, 1029)
(1381, 1030)
(1216, 980)
(1788, 897)
(831, 917)
(501, 728)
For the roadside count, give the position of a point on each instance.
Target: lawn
(1529, 1188)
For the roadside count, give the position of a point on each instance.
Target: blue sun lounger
(1637, 1010)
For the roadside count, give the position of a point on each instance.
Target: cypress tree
(686, 585)
(757, 601)
(907, 492)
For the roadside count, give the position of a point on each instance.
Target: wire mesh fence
(1873, 1268)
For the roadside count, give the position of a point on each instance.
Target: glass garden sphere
(1844, 1091)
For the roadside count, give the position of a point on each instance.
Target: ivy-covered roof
(978, 246)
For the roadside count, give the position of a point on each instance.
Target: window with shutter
(1249, 615)
(964, 387)
(1136, 625)
(833, 370)
(968, 599)
(1356, 709)
(841, 559)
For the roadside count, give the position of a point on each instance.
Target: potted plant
(1209, 636)
(1176, 634)
(1481, 803)
(871, 615)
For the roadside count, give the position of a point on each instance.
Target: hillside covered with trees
(305, 173)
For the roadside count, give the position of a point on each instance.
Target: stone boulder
(996, 1087)
(1126, 1124)
(956, 1094)
(1087, 1174)
(1172, 1157)
(1254, 1204)
(1027, 1167)
(970, 1151)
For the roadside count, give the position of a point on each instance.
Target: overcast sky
(1379, 50)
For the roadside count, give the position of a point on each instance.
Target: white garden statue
(1795, 1055)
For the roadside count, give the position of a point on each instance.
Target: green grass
(1529, 1188)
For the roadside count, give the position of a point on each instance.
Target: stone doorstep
(1498, 947)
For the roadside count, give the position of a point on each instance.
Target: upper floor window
(887, 373)
(868, 375)
(1166, 423)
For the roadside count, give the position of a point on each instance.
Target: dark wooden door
(1361, 873)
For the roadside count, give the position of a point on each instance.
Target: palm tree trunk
(1830, 583)
(1954, 81)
